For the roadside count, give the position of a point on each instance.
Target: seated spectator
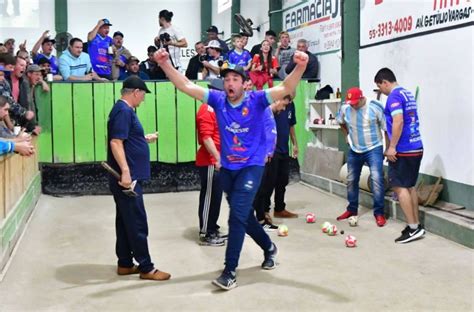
(76, 65)
(45, 66)
(133, 69)
(245, 41)
(150, 67)
(264, 67)
(20, 89)
(35, 78)
(10, 46)
(5, 133)
(284, 53)
(195, 63)
(211, 68)
(212, 34)
(17, 112)
(46, 52)
(311, 71)
(239, 56)
(270, 36)
(120, 56)
(98, 47)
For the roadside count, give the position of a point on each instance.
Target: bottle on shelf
(338, 93)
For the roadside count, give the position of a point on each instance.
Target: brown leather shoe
(127, 271)
(156, 275)
(284, 214)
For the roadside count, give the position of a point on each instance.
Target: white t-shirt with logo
(175, 35)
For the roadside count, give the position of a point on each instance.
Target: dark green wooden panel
(83, 122)
(146, 112)
(63, 137)
(186, 127)
(166, 115)
(103, 102)
(45, 140)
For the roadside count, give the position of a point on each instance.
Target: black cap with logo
(135, 82)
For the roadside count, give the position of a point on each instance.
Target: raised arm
(288, 85)
(179, 80)
(91, 35)
(34, 50)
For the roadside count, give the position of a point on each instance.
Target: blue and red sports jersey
(100, 60)
(241, 128)
(402, 101)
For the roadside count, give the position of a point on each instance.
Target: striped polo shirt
(365, 125)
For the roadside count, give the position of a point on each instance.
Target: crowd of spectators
(23, 71)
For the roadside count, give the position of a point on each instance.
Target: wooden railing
(16, 174)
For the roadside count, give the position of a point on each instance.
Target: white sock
(413, 226)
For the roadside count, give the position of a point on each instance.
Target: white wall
(35, 17)
(137, 20)
(441, 66)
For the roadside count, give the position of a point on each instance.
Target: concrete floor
(66, 262)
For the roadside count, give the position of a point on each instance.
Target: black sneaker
(270, 258)
(269, 227)
(422, 227)
(226, 281)
(409, 235)
(222, 235)
(211, 240)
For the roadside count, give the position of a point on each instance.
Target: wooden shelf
(329, 127)
(328, 101)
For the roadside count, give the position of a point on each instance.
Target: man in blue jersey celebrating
(98, 46)
(240, 118)
(404, 150)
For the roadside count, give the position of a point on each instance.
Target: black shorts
(404, 172)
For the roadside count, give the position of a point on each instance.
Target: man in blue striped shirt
(362, 121)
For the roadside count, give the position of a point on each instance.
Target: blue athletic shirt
(101, 61)
(241, 128)
(52, 60)
(242, 59)
(123, 124)
(402, 101)
(284, 121)
(270, 131)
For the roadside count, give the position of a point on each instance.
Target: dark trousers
(275, 177)
(210, 198)
(131, 229)
(240, 187)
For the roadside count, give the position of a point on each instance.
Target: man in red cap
(362, 122)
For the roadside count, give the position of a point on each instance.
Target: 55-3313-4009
(397, 26)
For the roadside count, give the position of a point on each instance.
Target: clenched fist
(301, 58)
(161, 56)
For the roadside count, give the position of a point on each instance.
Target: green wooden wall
(73, 117)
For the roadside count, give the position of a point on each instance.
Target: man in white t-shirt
(170, 38)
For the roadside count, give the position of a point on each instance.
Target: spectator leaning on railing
(76, 65)
(120, 56)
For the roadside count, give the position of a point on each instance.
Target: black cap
(46, 40)
(152, 49)
(135, 82)
(133, 59)
(212, 29)
(44, 60)
(216, 84)
(117, 33)
(236, 69)
(106, 22)
(270, 33)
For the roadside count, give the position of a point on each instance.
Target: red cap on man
(353, 96)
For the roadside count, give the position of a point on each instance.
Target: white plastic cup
(199, 76)
(16, 130)
(49, 77)
(110, 50)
